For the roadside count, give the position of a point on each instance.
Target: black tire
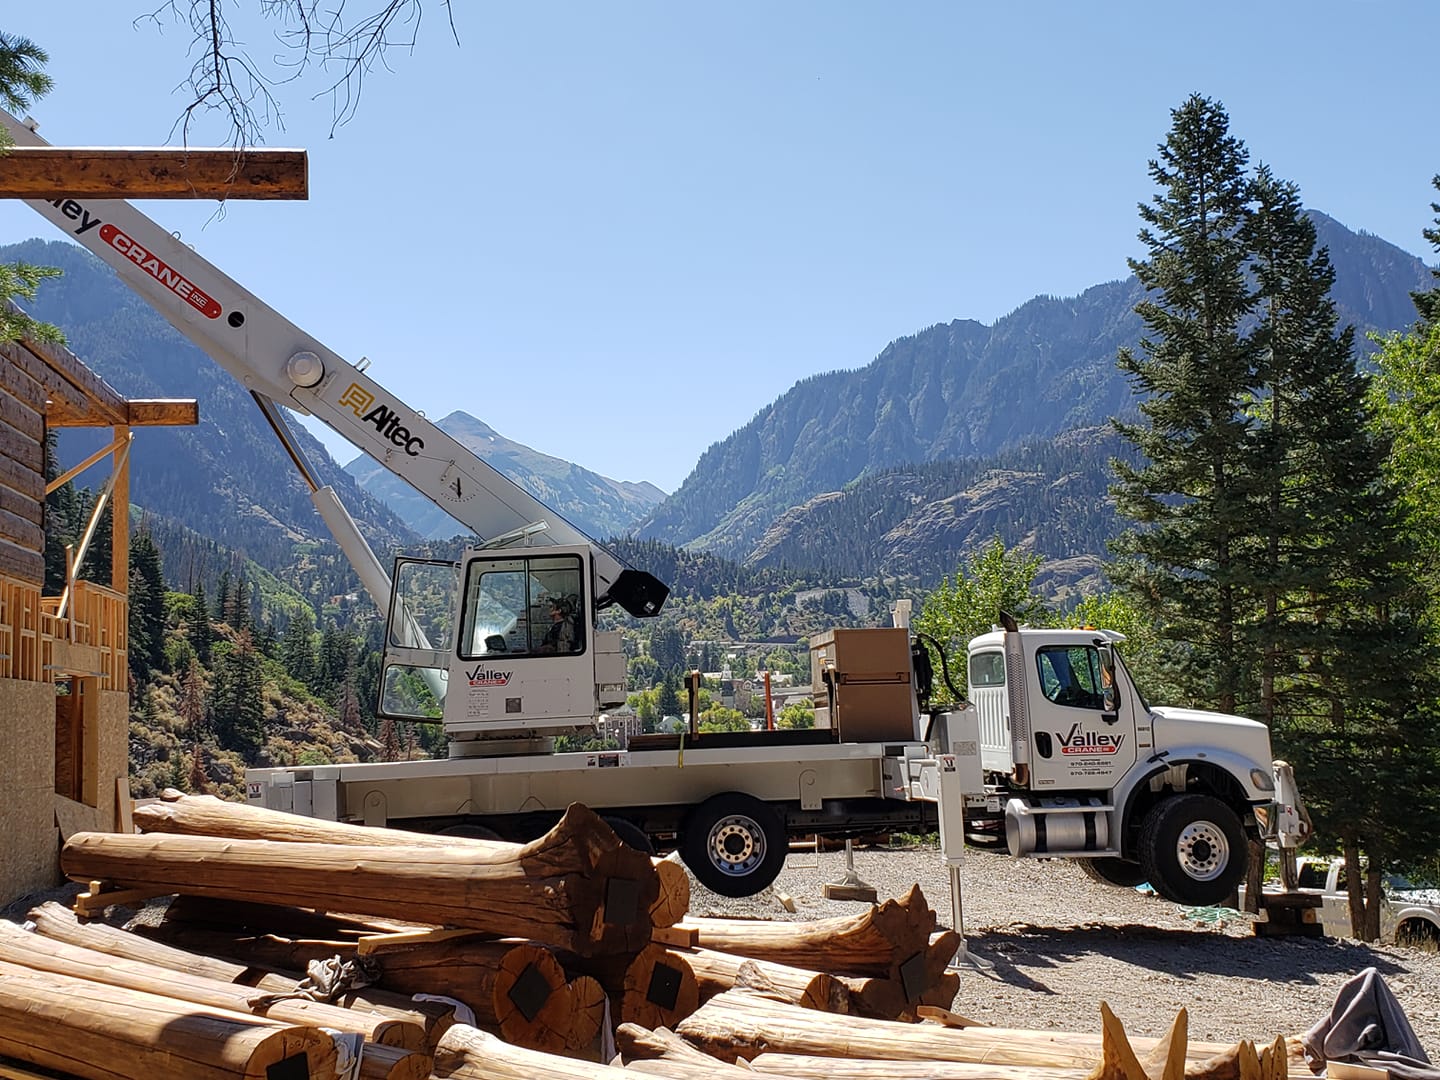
(632, 834)
(1193, 850)
(1122, 873)
(471, 831)
(734, 844)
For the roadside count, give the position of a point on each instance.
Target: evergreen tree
(222, 596)
(668, 702)
(147, 604)
(297, 650)
(192, 700)
(1428, 303)
(237, 706)
(199, 779)
(22, 80)
(389, 741)
(1193, 495)
(200, 633)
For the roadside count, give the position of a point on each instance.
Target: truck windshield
(522, 607)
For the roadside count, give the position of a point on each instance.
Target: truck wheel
(1193, 850)
(1121, 873)
(734, 844)
(1418, 934)
(630, 833)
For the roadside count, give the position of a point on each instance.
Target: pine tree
(147, 601)
(1192, 495)
(200, 633)
(297, 649)
(192, 700)
(237, 706)
(1428, 303)
(1342, 651)
(389, 741)
(199, 779)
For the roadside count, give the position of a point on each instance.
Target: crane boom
(273, 357)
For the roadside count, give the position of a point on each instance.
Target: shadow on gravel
(1021, 953)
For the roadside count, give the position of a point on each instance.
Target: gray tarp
(1367, 1025)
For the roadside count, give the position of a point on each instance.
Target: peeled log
(390, 1063)
(879, 941)
(654, 988)
(923, 981)
(739, 1024)
(39, 953)
(717, 972)
(100, 1032)
(60, 923)
(663, 1053)
(577, 887)
(799, 1067)
(466, 1053)
(205, 815)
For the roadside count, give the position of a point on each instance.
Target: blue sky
(616, 231)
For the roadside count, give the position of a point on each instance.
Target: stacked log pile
(287, 937)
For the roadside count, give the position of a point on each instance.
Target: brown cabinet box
(869, 678)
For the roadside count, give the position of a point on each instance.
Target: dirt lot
(1050, 945)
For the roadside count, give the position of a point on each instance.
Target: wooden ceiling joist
(82, 172)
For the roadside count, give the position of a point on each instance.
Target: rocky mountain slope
(964, 390)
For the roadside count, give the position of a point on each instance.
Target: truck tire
(1122, 873)
(1192, 850)
(630, 833)
(734, 844)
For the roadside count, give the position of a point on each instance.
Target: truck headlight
(1262, 780)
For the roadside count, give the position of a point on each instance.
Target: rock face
(600, 506)
(963, 390)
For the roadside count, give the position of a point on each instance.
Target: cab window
(1070, 675)
(530, 606)
(987, 669)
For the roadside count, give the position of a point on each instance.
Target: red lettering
(159, 270)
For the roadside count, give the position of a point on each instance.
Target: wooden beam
(87, 172)
(163, 412)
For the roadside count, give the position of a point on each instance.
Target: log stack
(537, 950)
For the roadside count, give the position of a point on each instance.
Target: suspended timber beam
(85, 172)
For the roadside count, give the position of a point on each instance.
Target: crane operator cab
(502, 648)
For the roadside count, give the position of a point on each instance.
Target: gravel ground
(1050, 945)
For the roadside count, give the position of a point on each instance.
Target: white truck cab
(1077, 764)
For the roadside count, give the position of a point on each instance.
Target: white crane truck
(1057, 746)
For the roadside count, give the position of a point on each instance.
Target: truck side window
(522, 607)
(987, 669)
(1070, 675)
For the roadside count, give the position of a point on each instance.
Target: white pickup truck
(1411, 915)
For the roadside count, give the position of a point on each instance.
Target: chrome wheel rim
(737, 845)
(1203, 850)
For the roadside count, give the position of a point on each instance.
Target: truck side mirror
(1109, 695)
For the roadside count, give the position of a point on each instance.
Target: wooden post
(119, 512)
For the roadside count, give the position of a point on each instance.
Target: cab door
(1082, 720)
(523, 652)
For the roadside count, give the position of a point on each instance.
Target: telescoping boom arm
(274, 358)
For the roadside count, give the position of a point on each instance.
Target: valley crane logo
(1088, 742)
(383, 418)
(483, 676)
